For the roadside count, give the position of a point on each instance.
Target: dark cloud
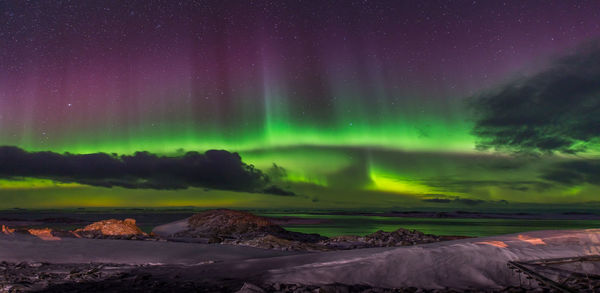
(217, 169)
(468, 201)
(575, 173)
(463, 201)
(438, 200)
(277, 191)
(467, 186)
(556, 110)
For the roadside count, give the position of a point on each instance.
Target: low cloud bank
(218, 169)
(463, 201)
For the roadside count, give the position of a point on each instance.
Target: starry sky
(329, 104)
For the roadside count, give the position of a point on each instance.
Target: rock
(123, 229)
(225, 226)
(228, 222)
(103, 229)
(250, 288)
(400, 237)
(6, 230)
(243, 228)
(129, 221)
(274, 242)
(44, 234)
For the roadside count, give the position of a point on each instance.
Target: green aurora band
(363, 107)
(386, 157)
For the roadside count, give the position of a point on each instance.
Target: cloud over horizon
(442, 199)
(218, 169)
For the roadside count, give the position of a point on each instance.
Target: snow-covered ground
(17, 248)
(169, 229)
(475, 263)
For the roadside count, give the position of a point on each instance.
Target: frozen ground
(24, 248)
(467, 263)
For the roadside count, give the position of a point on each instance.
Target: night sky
(329, 104)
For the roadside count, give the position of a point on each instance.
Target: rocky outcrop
(44, 234)
(235, 228)
(231, 226)
(273, 242)
(243, 228)
(113, 228)
(6, 230)
(230, 222)
(47, 234)
(400, 237)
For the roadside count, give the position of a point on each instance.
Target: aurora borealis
(475, 104)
